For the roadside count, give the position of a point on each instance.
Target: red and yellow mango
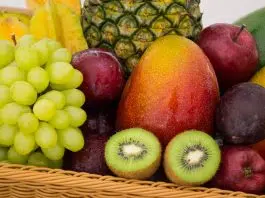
(174, 88)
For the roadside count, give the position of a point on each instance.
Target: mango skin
(174, 88)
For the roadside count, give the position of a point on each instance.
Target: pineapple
(128, 27)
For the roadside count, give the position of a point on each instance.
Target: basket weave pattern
(31, 182)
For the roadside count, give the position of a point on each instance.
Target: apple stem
(239, 32)
(14, 39)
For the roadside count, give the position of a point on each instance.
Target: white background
(214, 10)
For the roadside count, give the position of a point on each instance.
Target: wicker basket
(31, 182)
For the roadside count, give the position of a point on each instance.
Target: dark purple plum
(91, 158)
(100, 121)
(104, 77)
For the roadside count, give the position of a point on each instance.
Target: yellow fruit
(38, 26)
(44, 22)
(72, 38)
(75, 5)
(34, 4)
(259, 77)
(22, 15)
(10, 26)
(57, 21)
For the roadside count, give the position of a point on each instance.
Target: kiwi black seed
(191, 158)
(133, 153)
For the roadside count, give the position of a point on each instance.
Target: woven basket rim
(70, 179)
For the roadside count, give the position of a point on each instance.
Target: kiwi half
(133, 153)
(191, 158)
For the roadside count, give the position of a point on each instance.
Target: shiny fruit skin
(100, 121)
(260, 148)
(233, 175)
(233, 61)
(91, 158)
(103, 76)
(173, 89)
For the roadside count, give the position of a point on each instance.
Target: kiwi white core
(132, 149)
(194, 157)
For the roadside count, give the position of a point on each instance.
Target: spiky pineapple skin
(128, 27)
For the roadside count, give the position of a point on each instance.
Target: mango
(173, 88)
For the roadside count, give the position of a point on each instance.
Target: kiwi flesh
(191, 158)
(133, 154)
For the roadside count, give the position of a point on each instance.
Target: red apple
(232, 51)
(242, 169)
(103, 76)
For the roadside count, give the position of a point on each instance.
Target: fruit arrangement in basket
(135, 89)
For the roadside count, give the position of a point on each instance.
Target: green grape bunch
(40, 103)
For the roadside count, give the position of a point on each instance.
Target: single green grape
(7, 53)
(71, 138)
(60, 120)
(28, 123)
(61, 55)
(16, 158)
(3, 153)
(74, 82)
(26, 41)
(74, 97)
(24, 143)
(54, 153)
(38, 78)
(43, 51)
(23, 93)
(11, 74)
(77, 115)
(46, 136)
(38, 159)
(7, 134)
(56, 96)
(60, 72)
(58, 164)
(5, 96)
(27, 58)
(44, 109)
(12, 111)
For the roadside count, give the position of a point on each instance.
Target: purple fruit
(103, 76)
(91, 158)
(100, 121)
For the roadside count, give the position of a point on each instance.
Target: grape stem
(14, 39)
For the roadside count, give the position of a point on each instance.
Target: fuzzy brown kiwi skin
(170, 173)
